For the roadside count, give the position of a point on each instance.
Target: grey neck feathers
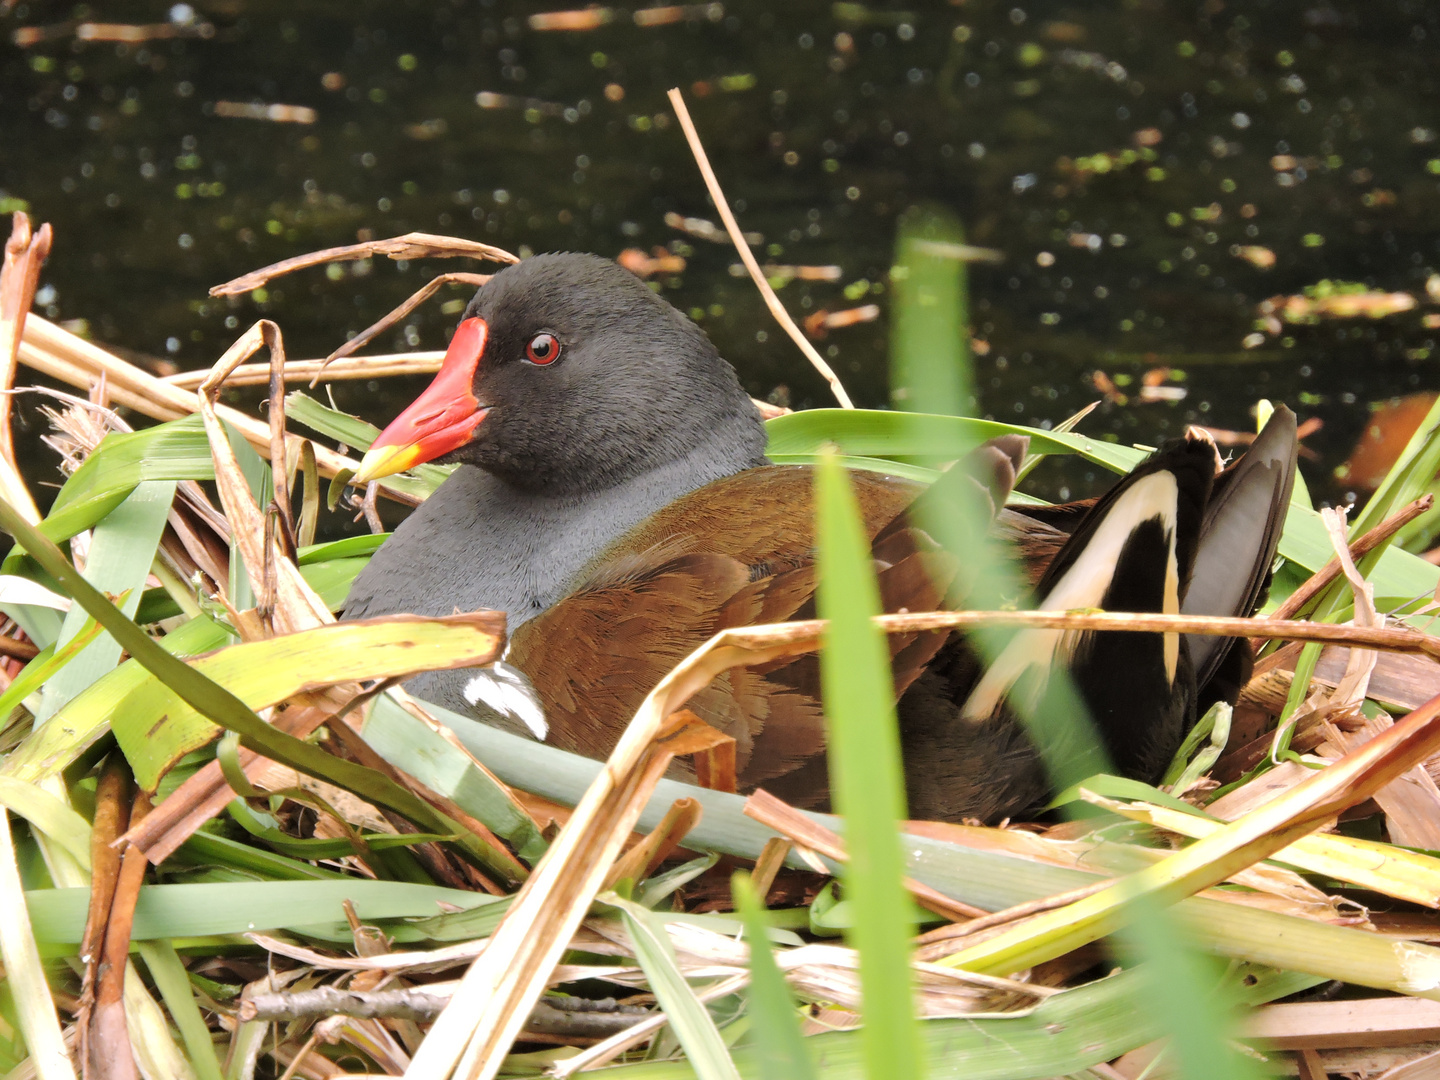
(479, 543)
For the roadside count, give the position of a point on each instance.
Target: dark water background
(1307, 128)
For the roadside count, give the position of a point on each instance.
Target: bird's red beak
(441, 419)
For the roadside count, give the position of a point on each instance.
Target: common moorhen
(615, 502)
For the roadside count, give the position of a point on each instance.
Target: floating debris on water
(702, 229)
(276, 114)
(1258, 256)
(1384, 439)
(646, 266)
(586, 19)
(123, 33)
(1334, 300)
(819, 324)
(673, 13)
(425, 130)
(593, 18)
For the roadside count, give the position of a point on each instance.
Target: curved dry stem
(413, 245)
(748, 257)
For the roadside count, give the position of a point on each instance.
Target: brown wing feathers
(692, 569)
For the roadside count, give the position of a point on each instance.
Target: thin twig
(379, 365)
(804, 636)
(748, 257)
(1296, 601)
(413, 245)
(418, 297)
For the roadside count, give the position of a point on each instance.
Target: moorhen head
(615, 502)
(582, 403)
(568, 375)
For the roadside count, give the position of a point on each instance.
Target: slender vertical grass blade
(780, 1048)
(866, 783)
(174, 986)
(21, 956)
(1187, 991)
(257, 475)
(705, 1050)
(929, 339)
(122, 548)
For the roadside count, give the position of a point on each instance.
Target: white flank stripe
(1084, 586)
(508, 691)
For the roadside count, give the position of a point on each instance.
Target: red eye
(543, 349)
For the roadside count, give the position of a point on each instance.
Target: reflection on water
(1152, 173)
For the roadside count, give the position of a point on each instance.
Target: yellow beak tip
(382, 461)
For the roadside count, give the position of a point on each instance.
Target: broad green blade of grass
(224, 708)
(155, 727)
(332, 578)
(205, 848)
(866, 784)
(49, 750)
(48, 661)
(1067, 1032)
(122, 547)
(24, 973)
(774, 1015)
(357, 433)
(173, 983)
(691, 1022)
(348, 548)
(415, 747)
(929, 364)
(991, 880)
(340, 426)
(176, 450)
(49, 815)
(39, 610)
(183, 911)
(906, 471)
(923, 436)
(1186, 989)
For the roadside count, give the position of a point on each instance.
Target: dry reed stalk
(284, 598)
(355, 367)
(413, 245)
(24, 254)
(73, 360)
(804, 831)
(794, 638)
(777, 309)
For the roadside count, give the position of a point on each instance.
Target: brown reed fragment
(414, 245)
(418, 297)
(806, 832)
(644, 858)
(108, 1053)
(24, 253)
(777, 309)
(772, 857)
(62, 355)
(20, 650)
(377, 366)
(114, 795)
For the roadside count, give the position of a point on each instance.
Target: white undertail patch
(1084, 585)
(508, 690)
